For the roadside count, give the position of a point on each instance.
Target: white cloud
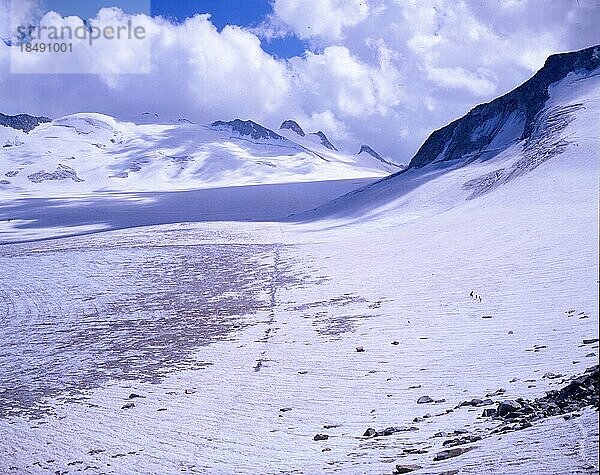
(320, 18)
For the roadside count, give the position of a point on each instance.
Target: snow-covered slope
(228, 347)
(492, 146)
(89, 152)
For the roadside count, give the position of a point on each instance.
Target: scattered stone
(424, 400)
(303, 372)
(395, 342)
(489, 412)
(360, 349)
(590, 341)
(472, 402)
(439, 401)
(413, 451)
(450, 453)
(550, 375)
(129, 405)
(514, 380)
(487, 316)
(134, 396)
(370, 432)
(440, 434)
(189, 391)
(96, 451)
(507, 407)
(285, 409)
(497, 392)
(414, 387)
(449, 472)
(326, 449)
(320, 437)
(590, 355)
(461, 441)
(406, 468)
(331, 426)
(161, 409)
(510, 332)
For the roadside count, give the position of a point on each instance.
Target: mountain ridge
(24, 122)
(517, 108)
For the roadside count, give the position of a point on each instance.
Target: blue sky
(247, 13)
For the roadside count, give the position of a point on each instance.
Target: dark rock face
(374, 154)
(324, 140)
(62, 172)
(469, 136)
(23, 122)
(292, 125)
(247, 127)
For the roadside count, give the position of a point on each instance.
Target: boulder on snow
(450, 453)
(406, 468)
(507, 407)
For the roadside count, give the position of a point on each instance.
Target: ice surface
(220, 326)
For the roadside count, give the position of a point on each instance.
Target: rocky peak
(367, 149)
(247, 127)
(292, 125)
(324, 140)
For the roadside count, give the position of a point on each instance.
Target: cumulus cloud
(381, 72)
(324, 19)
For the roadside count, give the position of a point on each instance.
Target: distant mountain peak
(292, 125)
(247, 127)
(324, 140)
(367, 149)
(23, 122)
